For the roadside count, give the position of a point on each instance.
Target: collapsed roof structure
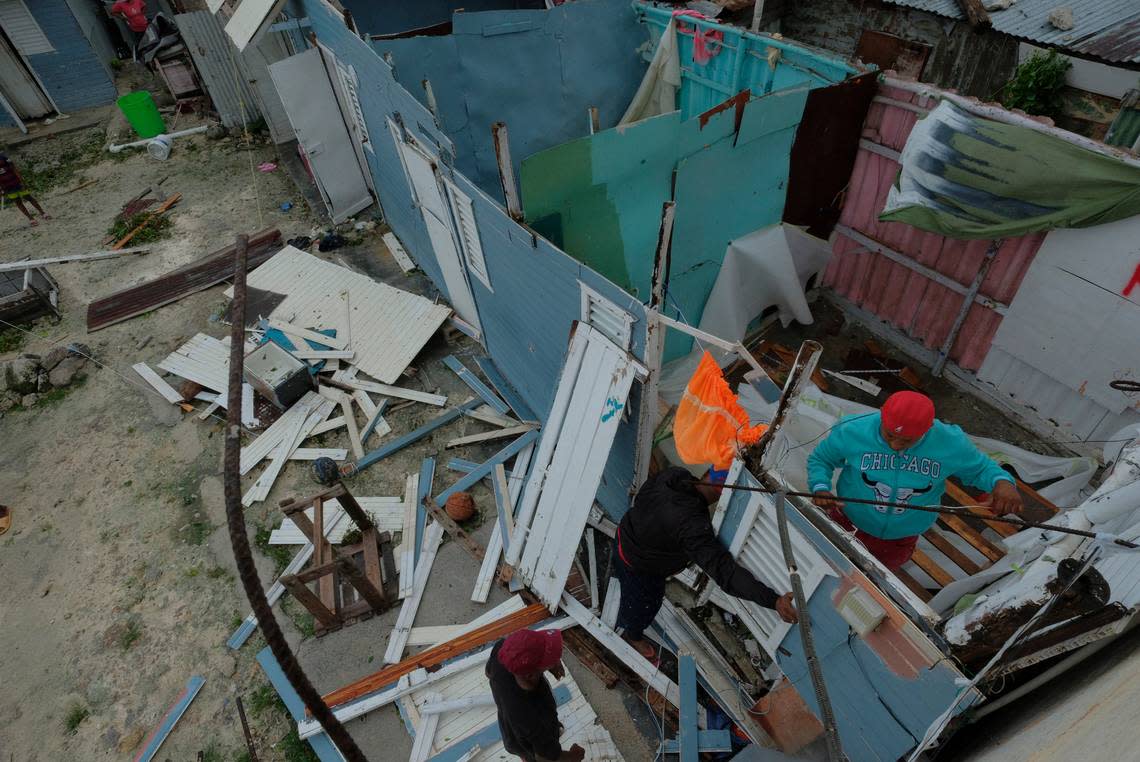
(599, 187)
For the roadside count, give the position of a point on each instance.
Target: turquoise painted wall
(600, 197)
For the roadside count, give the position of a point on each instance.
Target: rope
(239, 539)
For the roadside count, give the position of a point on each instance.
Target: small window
(615, 323)
(464, 212)
(348, 84)
(22, 29)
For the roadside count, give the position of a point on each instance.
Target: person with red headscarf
(528, 713)
(902, 455)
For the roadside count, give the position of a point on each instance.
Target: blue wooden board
(321, 744)
(173, 715)
(707, 741)
(503, 387)
(427, 477)
(687, 729)
(476, 385)
(444, 418)
(473, 477)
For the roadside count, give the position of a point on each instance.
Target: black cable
(239, 540)
(950, 510)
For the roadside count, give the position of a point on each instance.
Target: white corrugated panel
(386, 512)
(757, 548)
(389, 326)
(222, 68)
(22, 28)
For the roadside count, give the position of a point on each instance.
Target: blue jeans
(641, 597)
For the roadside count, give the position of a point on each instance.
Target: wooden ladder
(1036, 508)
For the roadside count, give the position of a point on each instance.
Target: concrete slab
(60, 125)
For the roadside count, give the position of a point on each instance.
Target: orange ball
(460, 506)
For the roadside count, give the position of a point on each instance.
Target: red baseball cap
(528, 651)
(908, 414)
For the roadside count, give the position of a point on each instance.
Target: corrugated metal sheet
(1108, 29)
(917, 305)
(388, 326)
(221, 66)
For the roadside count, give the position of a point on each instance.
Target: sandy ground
(119, 579)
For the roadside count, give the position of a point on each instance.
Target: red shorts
(893, 553)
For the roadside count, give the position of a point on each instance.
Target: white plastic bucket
(159, 147)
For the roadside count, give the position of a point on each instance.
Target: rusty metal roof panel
(1120, 42)
(1106, 29)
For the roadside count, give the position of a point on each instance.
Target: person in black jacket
(668, 528)
(528, 713)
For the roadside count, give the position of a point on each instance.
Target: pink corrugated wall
(908, 300)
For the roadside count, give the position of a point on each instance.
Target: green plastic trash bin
(139, 109)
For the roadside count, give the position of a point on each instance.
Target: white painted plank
(434, 635)
(330, 425)
(300, 332)
(260, 489)
(490, 435)
(386, 513)
(26, 263)
(350, 423)
(388, 390)
(248, 418)
(209, 410)
(495, 545)
(323, 354)
(616, 645)
(402, 259)
(613, 600)
(312, 453)
(425, 734)
(397, 639)
(166, 390)
(407, 558)
(260, 448)
(487, 415)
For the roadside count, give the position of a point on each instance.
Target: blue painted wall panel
(526, 319)
(395, 16)
(537, 71)
(73, 74)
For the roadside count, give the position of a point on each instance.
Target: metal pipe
(967, 303)
(798, 377)
(140, 143)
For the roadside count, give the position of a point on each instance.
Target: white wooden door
(572, 454)
(18, 87)
(420, 168)
(307, 94)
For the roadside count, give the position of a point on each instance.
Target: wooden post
(310, 601)
(506, 170)
(595, 121)
(964, 310)
(757, 13)
(433, 107)
(654, 346)
(976, 14)
(366, 589)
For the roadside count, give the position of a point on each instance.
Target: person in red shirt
(133, 12)
(12, 189)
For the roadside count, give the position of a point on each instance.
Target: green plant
(262, 698)
(158, 227)
(279, 554)
(1037, 85)
(11, 339)
(75, 717)
(130, 634)
(294, 749)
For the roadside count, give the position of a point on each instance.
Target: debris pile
(24, 379)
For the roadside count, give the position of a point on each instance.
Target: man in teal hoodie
(900, 454)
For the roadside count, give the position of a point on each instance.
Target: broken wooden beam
(437, 655)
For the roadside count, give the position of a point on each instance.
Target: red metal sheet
(908, 300)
